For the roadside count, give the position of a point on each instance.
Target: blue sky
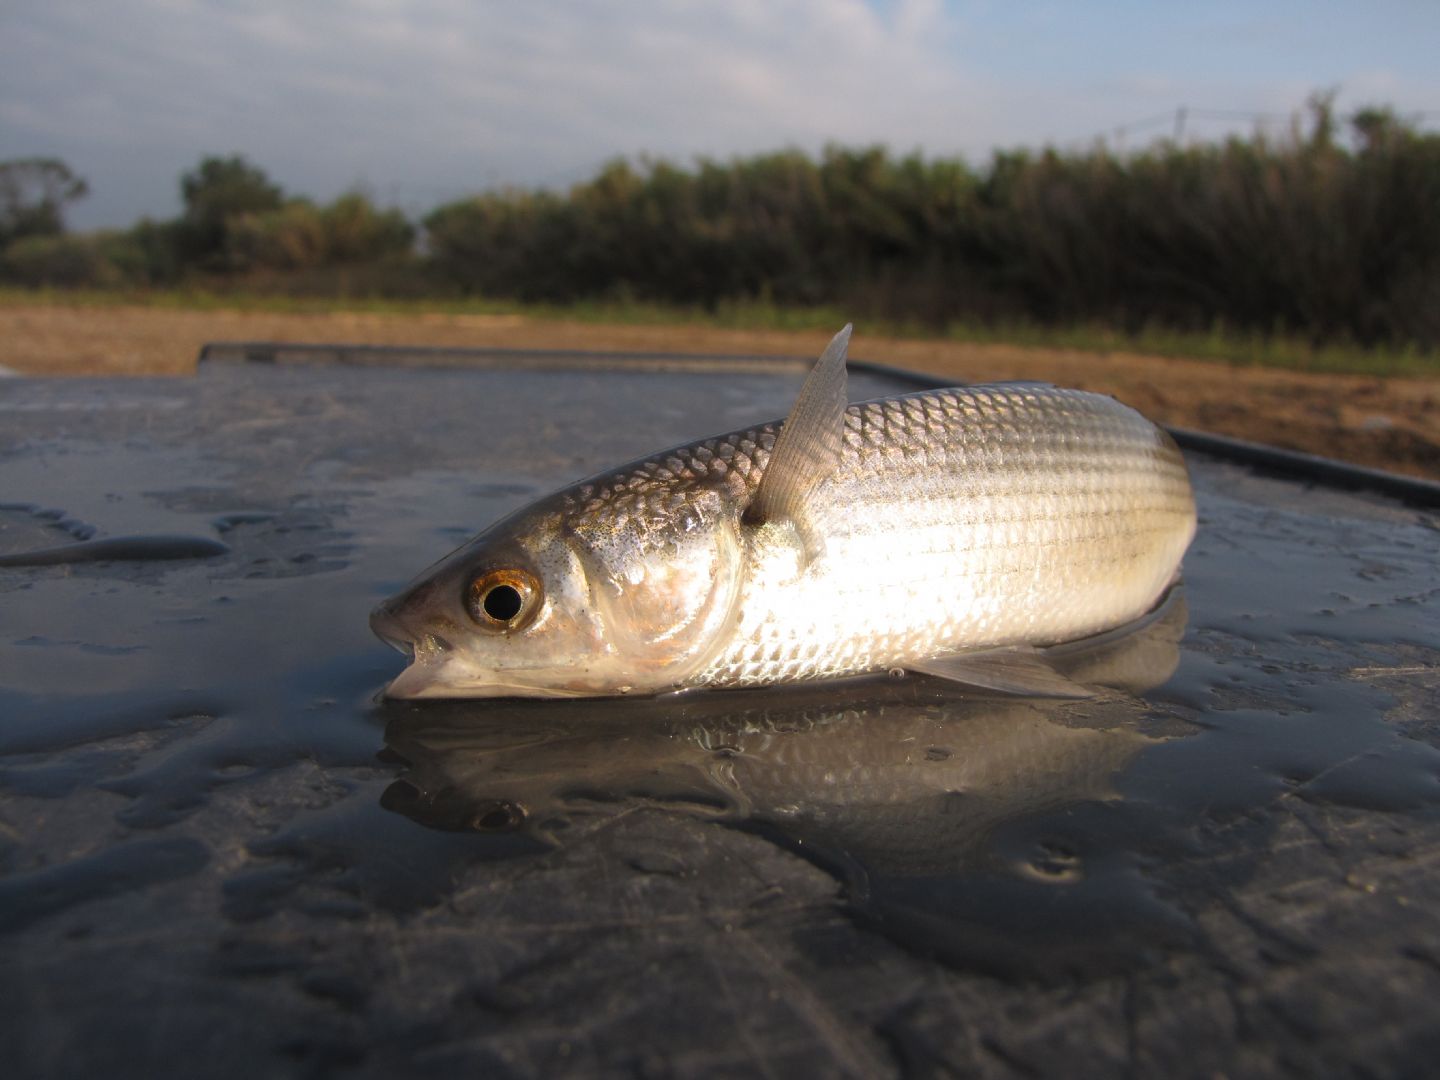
(423, 101)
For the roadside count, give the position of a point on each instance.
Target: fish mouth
(386, 625)
(421, 679)
(438, 670)
(428, 652)
(424, 677)
(441, 676)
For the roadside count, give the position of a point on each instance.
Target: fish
(953, 533)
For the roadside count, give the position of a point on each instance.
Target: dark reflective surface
(939, 807)
(199, 788)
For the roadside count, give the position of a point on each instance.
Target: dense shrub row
(1307, 234)
(1329, 233)
(237, 226)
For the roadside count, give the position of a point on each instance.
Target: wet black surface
(221, 855)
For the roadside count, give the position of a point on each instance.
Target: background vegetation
(1330, 233)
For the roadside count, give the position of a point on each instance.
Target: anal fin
(1020, 670)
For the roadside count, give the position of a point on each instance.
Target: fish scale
(922, 532)
(1020, 514)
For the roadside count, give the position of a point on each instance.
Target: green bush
(290, 237)
(150, 253)
(1322, 234)
(219, 194)
(298, 235)
(68, 261)
(355, 231)
(1302, 235)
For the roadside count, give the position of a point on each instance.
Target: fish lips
(429, 655)
(437, 670)
(422, 679)
(443, 676)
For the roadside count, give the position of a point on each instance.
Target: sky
(422, 102)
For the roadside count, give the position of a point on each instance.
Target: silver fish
(949, 532)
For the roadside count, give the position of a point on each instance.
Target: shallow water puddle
(198, 740)
(1008, 833)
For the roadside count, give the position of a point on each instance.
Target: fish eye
(503, 603)
(502, 599)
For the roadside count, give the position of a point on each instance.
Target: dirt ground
(1390, 423)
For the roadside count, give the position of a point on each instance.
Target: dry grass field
(1387, 422)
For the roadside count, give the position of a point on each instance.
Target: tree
(218, 193)
(1377, 127)
(33, 195)
(356, 231)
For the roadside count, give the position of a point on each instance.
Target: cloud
(426, 100)
(440, 94)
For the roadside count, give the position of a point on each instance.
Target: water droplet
(1055, 862)
(501, 815)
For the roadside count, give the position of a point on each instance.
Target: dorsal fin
(808, 446)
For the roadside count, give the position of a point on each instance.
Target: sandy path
(1387, 422)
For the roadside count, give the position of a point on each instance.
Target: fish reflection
(900, 787)
(899, 775)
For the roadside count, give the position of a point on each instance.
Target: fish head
(573, 599)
